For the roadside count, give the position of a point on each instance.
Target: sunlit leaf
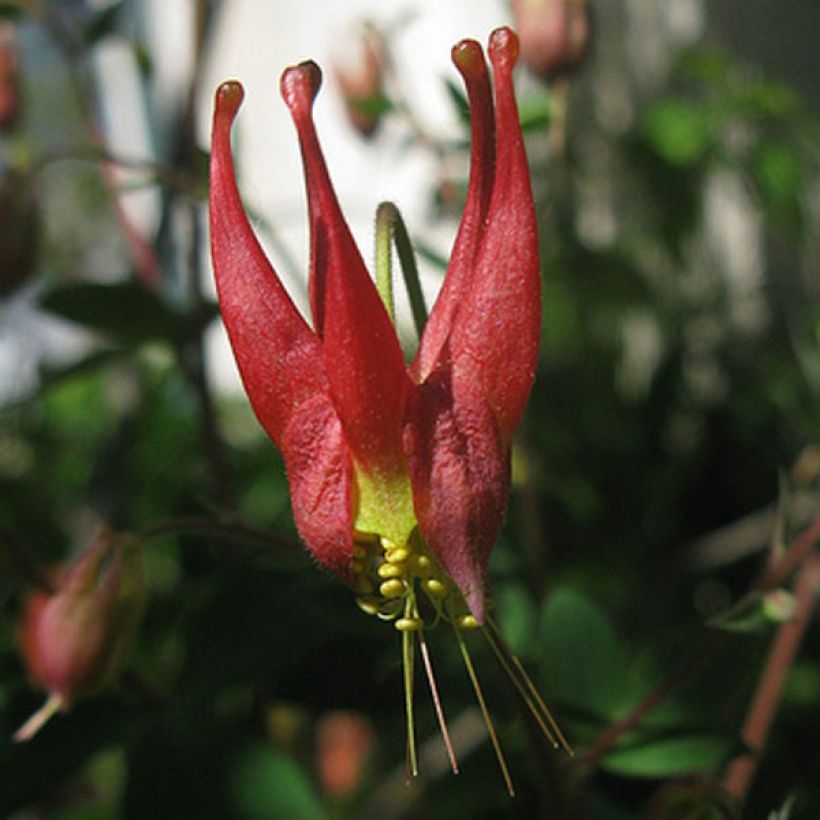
(670, 757)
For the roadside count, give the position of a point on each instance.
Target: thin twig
(740, 773)
(770, 578)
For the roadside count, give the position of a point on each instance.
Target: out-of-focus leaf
(52, 375)
(780, 178)
(9, 11)
(582, 660)
(765, 99)
(267, 784)
(680, 131)
(429, 254)
(125, 311)
(706, 64)
(459, 101)
(102, 24)
(670, 757)
(143, 59)
(21, 224)
(374, 106)
(757, 612)
(518, 616)
(535, 112)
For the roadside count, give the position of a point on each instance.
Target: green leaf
(535, 112)
(102, 24)
(680, 131)
(582, 659)
(781, 178)
(125, 311)
(375, 105)
(459, 101)
(518, 617)
(269, 785)
(10, 11)
(670, 756)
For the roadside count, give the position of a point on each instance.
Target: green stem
(390, 229)
(407, 663)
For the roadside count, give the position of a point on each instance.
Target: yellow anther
(368, 605)
(357, 566)
(397, 556)
(391, 570)
(467, 622)
(387, 544)
(409, 624)
(419, 565)
(392, 588)
(435, 588)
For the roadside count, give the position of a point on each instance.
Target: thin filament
(407, 664)
(515, 671)
(442, 722)
(485, 713)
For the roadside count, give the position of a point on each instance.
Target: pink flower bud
(344, 741)
(359, 73)
(554, 35)
(9, 78)
(73, 639)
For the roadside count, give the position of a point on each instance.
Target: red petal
(494, 341)
(363, 359)
(280, 360)
(318, 465)
(279, 357)
(469, 59)
(460, 475)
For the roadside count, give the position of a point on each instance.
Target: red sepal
(494, 340)
(363, 359)
(469, 59)
(460, 476)
(280, 360)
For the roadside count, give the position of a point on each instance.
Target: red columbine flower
(376, 452)
(398, 475)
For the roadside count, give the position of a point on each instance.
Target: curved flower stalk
(398, 475)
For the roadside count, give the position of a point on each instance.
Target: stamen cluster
(390, 577)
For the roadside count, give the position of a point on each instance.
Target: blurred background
(656, 571)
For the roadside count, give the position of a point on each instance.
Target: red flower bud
(554, 35)
(9, 78)
(73, 639)
(344, 741)
(359, 73)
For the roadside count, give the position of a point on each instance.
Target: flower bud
(73, 638)
(359, 75)
(554, 35)
(18, 239)
(344, 742)
(9, 78)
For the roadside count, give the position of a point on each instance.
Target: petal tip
(300, 84)
(228, 98)
(468, 57)
(503, 47)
